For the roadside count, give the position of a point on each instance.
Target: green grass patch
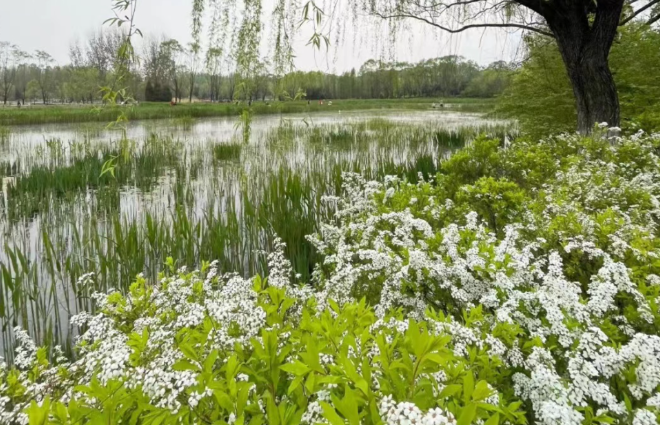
(149, 110)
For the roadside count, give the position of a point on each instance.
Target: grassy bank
(38, 114)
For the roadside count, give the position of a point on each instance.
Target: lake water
(192, 190)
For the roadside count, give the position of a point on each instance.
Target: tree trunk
(585, 49)
(192, 87)
(595, 93)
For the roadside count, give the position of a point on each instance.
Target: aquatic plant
(419, 309)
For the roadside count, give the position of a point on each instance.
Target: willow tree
(584, 31)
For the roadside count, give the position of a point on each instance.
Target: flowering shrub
(521, 285)
(222, 349)
(554, 248)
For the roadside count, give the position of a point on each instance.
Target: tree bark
(585, 49)
(595, 93)
(192, 87)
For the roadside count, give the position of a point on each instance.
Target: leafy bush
(203, 348)
(540, 96)
(565, 275)
(521, 285)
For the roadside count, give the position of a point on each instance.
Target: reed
(227, 151)
(4, 134)
(62, 217)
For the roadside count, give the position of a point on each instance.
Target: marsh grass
(62, 219)
(4, 134)
(227, 151)
(185, 122)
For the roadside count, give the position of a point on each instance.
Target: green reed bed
(227, 151)
(185, 122)
(4, 134)
(104, 169)
(170, 199)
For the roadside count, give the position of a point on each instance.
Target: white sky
(51, 25)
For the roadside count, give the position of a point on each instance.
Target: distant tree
(173, 52)
(43, 62)
(192, 63)
(490, 81)
(101, 52)
(10, 58)
(158, 64)
(23, 76)
(213, 68)
(155, 91)
(33, 90)
(76, 55)
(583, 30)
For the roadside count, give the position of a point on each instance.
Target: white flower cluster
(517, 279)
(394, 413)
(105, 350)
(564, 339)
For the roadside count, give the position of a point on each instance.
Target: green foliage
(227, 151)
(482, 294)
(541, 98)
(4, 134)
(343, 360)
(499, 202)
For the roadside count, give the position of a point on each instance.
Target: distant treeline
(167, 70)
(445, 76)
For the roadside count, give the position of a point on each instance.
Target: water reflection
(174, 193)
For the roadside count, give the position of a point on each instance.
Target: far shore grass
(43, 114)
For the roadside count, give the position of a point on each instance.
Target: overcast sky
(51, 25)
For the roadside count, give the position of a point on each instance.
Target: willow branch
(639, 11)
(653, 20)
(466, 27)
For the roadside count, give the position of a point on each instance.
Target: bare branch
(653, 20)
(639, 11)
(467, 27)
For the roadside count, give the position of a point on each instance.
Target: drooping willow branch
(467, 27)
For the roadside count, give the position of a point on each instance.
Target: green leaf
(296, 383)
(210, 361)
(348, 406)
(183, 364)
(450, 391)
(297, 368)
(331, 415)
(224, 400)
(493, 420)
(272, 412)
(310, 383)
(188, 351)
(468, 386)
(481, 391)
(38, 415)
(468, 413)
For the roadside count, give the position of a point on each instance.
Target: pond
(79, 199)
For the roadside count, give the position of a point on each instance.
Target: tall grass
(227, 151)
(62, 219)
(4, 134)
